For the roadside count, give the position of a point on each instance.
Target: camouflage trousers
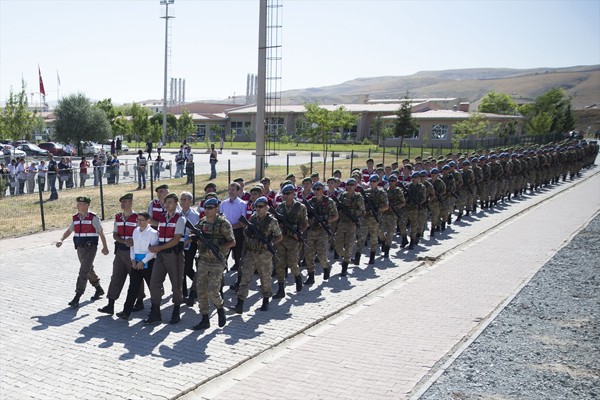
(449, 204)
(466, 200)
(482, 192)
(317, 244)
(369, 226)
(492, 189)
(423, 217)
(256, 260)
(389, 223)
(412, 214)
(209, 276)
(288, 256)
(345, 239)
(436, 212)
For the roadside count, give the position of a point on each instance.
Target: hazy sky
(115, 48)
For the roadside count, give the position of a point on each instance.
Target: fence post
(421, 151)
(228, 172)
(311, 162)
(262, 167)
(397, 153)
(383, 161)
(41, 204)
(101, 199)
(369, 152)
(151, 185)
(287, 164)
(351, 159)
(332, 164)
(194, 183)
(408, 152)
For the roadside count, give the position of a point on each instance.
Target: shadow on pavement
(59, 318)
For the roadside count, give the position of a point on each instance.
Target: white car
(7, 149)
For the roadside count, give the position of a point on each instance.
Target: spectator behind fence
(52, 174)
(12, 176)
(189, 165)
(116, 165)
(63, 172)
(179, 163)
(70, 183)
(83, 171)
(4, 178)
(21, 175)
(158, 162)
(96, 166)
(31, 174)
(42, 171)
(141, 164)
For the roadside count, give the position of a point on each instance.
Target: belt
(208, 258)
(171, 250)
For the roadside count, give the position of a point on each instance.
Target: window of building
(439, 131)
(237, 127)
(275, 127)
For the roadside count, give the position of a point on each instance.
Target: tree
(140, 125)
(157, 121)
(113, 114)
(540, 124)
(497, 103)
(476, 125)
(185, 125)
(76, 120)
(121, 126)
(16, 119)
(405, 124)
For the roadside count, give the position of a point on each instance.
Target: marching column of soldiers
(302, 225)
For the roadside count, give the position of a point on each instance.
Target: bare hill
(582, 83)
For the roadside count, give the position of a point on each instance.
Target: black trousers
(188, 270)
(137, 278)
(238, 250)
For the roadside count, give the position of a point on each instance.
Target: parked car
(57, 149)
(7, 149)
(106, 145)
(90, 148)
(33, 150)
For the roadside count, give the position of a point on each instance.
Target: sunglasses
(260, 206)
(210, 207)
(287, 193)
(319, 188)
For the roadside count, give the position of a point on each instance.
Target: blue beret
(474, 159)
(288, 188)
(482, 158)
(393, 177)
(374, 178)
(415, 175)
(445, 167)
(261, 199)
(435, 171)
(493, 157)
(466, 162)
(317, 184)
(451, 164)
(350, 180)
(211, 202)
(423, 173)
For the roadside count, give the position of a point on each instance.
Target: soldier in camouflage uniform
(352, 206)
(429, 196)
(458, 185)
(288, 249)
(415, 199)
(209, 273)
(324, 214)
(257, 256)
(450, 199)
(496, 173)
(485, 184)
(437, 203)
(390, 218)
(378, 199)
(477, 182)
(517, 172)
(466, 192)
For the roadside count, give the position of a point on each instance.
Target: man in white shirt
(42, 170)
(233, 208)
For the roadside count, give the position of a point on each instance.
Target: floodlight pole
(261, 90)
(166, 17)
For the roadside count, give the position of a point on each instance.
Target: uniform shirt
(52, 165)
(218, 232)
(268, 226)
(141, 241)
(233, 210)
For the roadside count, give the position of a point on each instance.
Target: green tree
(405, 125)
(157, 120)
(497, 103)
(113, 114)
(185, 125)
(140, 125)
(555, 103)
(476, 125)
(121, 126)
(540, 124)
(16, 119)
(76, 120)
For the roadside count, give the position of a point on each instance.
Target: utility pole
(261, 90)
(166, 17)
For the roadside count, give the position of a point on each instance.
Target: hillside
(582, 83)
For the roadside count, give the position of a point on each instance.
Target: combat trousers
(317, 243)
(374, 230)
(492, 189)
(403, 221)
(345, 239)
(412, 212)
(86, 270)
(423, 217)
(436, 209)
(361, 234)
(171, 264)
(261, 261)
(389, 222)
(121, 269)
(288, 255)
(209, 276)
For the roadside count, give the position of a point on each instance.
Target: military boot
(311, 279)
(344, 268)
(386, 251)
(265, 304)
(326, 272)
(298, 280)
(432, 233)
(75, 302)
(412, 244)
(467, 213)
(404, 241)
(356, 259)
(239, 307)
(449, 219)
(99, 293)
(459, 217)
(139, 305)
(204, 323)
(191, 298)
(336, 256)
(444, 226)
(372, 258)
(154, 315)
(109, 308)
(221, 315)
(280, 292)
(175, 317)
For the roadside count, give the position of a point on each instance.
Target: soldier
(352, 207)
(324, 213)
(415, 198)
(125, 224)
(293, 223)
(484, 186)
(437, 203)
(450, 199)
(209, 275)
(429, 196)
(466, 192)
(257, 257)
(496, 174)
(87, 229)
(169, 260)
(390, 218)
(156, 206)
(190, 247)
(458, 183)
(478, 182)
(376, 202)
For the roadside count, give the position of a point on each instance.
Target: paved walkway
(48, 350)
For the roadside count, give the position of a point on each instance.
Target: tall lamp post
(166, 17)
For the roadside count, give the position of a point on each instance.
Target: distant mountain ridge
(582, 83)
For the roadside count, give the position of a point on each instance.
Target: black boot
(75, 302)
(204, 323)
(99, 293)
(239, 307)
(109, 308)
(459, 217)
(221, 315)
(372, 258)
(344, 268)
(298, 280)
(139, 305)
(154, 315)
(404, 241)
(326, 272)
(356, 259)
(412, 244)
(336, 256)
(386, 251)
(432, 233)
(449, 219)
(311, 279)
(265, 304)
(175, 317)
(444, 226)
(191, 298)
(123, 315)
(280, 292)
(236, 286)
(467, 212)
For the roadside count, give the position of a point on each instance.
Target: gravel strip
(546, 343)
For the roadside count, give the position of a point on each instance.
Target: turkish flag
(42, 90)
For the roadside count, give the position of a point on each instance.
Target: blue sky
(115, 48)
